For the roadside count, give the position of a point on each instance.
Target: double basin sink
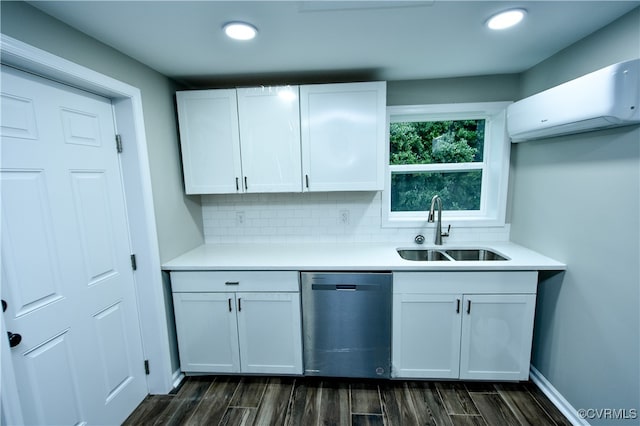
(431, 254)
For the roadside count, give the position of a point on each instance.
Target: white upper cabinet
(210, 141)
(270, 139)
(343, 136)
(323, 137)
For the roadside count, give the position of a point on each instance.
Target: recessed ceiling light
(506, 19)
(240, 30)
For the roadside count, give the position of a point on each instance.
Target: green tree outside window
(436, 142)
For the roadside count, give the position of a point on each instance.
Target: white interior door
(66, 273)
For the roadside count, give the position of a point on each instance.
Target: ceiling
(304, 41)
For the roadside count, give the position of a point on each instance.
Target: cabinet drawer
(232, 281)
(503, 282)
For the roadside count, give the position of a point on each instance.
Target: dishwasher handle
(339, 287)
(349, 287)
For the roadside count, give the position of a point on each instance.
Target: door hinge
(119, 143)
(134, 265)
(146, 367)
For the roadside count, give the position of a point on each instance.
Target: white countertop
(350, 257)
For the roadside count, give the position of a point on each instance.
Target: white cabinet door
(270, 139)
(207, 332)
(426, 335)
(210, 141)
(269, 331)
(343, 136)
(496, 336)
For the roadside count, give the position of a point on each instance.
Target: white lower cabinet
(207, 332)
(441, 330)
(269, 333)
(497, 330)
(238, 331)
(426, 336)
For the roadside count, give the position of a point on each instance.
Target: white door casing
(65, 260)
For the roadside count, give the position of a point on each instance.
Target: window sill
(455, 222)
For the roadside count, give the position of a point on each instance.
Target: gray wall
(178, 217)
(576, 199)
(492, 88)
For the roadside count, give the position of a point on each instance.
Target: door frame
(129, 118)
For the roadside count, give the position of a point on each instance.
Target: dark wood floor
(236, 400)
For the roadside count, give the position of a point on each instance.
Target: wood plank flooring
(238, 400)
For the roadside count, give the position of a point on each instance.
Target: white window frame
(495, 165)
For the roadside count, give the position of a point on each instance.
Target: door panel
(18, 117)
(110, 330)
(95, 226)
(65, 256)
(80, 128)
(62, 406)
(34, 287)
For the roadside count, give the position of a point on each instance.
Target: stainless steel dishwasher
(346, 321)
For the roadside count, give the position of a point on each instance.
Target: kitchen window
(457, 151)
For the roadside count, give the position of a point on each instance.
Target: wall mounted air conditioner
(605, 98)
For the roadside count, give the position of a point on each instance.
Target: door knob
(14, 339)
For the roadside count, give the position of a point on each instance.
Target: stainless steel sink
(474, 254)
(422, 254)
(466, 254)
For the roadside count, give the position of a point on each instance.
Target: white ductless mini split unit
(605, 98)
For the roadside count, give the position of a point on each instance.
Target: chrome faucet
(438, 232)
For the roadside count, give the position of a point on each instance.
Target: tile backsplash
(316, 217)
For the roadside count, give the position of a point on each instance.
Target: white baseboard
(178, 377)
(556, 398)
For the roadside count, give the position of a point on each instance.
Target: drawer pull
(232, 283)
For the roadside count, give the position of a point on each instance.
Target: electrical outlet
(345, 217)
(240, 218)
